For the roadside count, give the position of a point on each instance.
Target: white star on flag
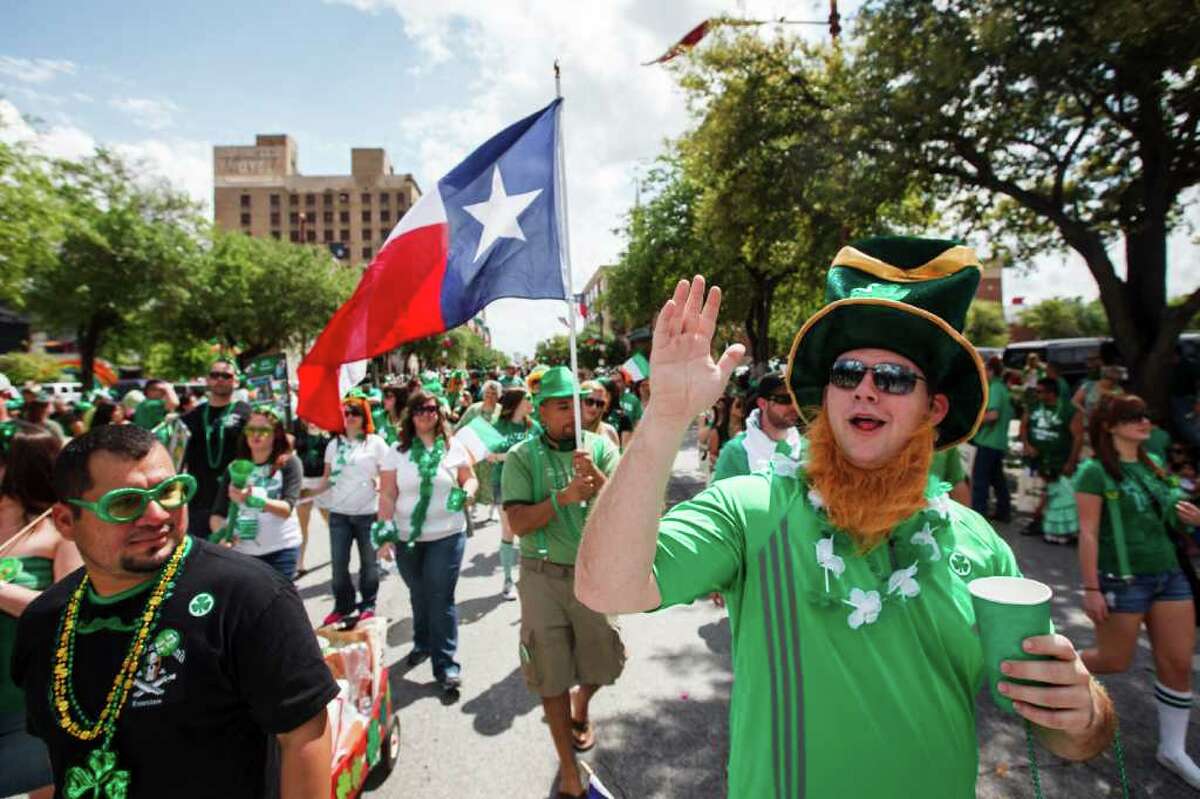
(499, 214)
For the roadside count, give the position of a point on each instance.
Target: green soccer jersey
(1050, 432)
(632, 407)
(994, 435)
(554, 470)
(854, 675)
(1142, 499)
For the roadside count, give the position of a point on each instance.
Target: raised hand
(686, 379)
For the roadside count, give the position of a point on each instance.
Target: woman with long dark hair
(1131, 570)
(426, 482)
(354, 464)
(32, 556)
(266, 526)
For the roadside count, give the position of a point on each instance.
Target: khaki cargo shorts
(563, 642)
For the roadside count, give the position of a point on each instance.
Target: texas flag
(488, 229)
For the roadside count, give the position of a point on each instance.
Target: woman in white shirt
(427, 479)
(353, 463)
(266, 526)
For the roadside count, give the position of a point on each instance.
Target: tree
(1060, 317)
(124, 256)
(31, 219)
(21, 367)
(985, 324)
(260, 295)
(1074, 123)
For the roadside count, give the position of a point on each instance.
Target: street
(662, 729)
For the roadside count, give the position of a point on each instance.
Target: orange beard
(868, 503)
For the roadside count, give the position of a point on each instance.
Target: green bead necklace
(214, 461)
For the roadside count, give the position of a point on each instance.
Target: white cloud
(35, 70)
(186, 164)
(616, 116)
(147, 113)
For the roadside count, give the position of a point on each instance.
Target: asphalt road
(662, 729)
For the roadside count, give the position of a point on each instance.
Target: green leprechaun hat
(910, 296)
(557, 381)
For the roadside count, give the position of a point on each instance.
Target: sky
(428, 81)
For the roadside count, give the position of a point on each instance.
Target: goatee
(867, 504)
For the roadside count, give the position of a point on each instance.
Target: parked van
(1071, 355)
(71, 392)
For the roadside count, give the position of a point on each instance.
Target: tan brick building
(258, 190)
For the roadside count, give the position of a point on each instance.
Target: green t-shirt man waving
(856, 662)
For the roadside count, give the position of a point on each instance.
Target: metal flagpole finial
(557, 79)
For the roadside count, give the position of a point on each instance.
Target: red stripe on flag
(397, 300)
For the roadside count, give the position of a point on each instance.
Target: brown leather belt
(548, 568)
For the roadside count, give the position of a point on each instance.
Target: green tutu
(1061, 516)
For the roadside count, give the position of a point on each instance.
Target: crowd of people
(849, 498)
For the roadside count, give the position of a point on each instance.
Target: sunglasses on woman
(122, 505)
(353, 412)
(1132, 416)
(425, 410)
(594, 403)
(258, 430)
(890, 378)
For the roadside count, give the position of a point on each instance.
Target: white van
(71, 392)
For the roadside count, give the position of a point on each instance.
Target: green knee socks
(508, 559)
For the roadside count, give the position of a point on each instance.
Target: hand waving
(686, 379)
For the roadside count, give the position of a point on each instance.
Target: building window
(366, 217)
(327, 236)
(344, 197)
(275, 219)
(274, 200)
(344, 217)
(275, 235)
(294, 235)
(293, 200)
(385, 216)
(383, 234)
(345, 235)
(384, 199)
(328, 199)
(327, 217)
(401, 201)
(366, 252)
(245, 219)
(366, 198)
(310, 199)
(310, 235)
(294, 218)
(245, 200)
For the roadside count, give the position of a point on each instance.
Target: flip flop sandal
(583, 735)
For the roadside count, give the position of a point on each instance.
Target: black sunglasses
(352, 411)
(425, 410)
(594, 403)
(890, 378)
(1132, 416)
(779, 399)
(221, 375)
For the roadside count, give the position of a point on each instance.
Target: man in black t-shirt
(215, 427)
(228, 690)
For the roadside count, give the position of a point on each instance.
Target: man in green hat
(511, 377)
(567, 650)
(855, 659)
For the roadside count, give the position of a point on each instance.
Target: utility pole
(835, 25)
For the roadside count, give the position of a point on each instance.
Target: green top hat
(910, 296)
(557, 381)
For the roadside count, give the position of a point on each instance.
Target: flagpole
(565, 249)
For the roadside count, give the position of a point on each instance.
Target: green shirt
(994, 435)
(511, 381)
(632, 407)
(1142, 499)
(384, 427)
(1158, 443)
(35, 573)
(947, 466)
(149, 413)
(563, 532)
(1050, 432)
(821, 708)
(514, 433)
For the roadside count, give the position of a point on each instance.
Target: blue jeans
(1145, 589)
(343, 531)
(430, 570)
(988, 473)
(282, 560)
